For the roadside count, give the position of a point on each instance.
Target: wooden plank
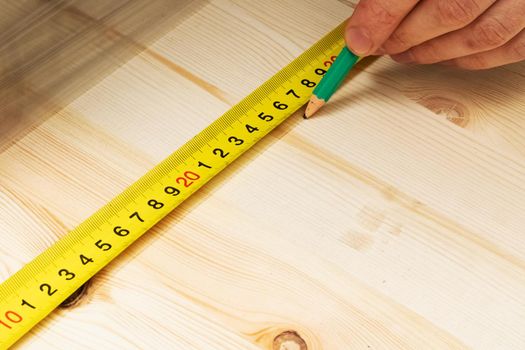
(378, 224)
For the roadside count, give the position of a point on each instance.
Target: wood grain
(392, 220)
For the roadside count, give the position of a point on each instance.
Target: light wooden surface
(392, 220)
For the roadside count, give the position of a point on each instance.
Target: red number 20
(188, 179)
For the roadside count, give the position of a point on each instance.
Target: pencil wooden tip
(314, 105)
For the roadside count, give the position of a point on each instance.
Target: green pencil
(331, 81)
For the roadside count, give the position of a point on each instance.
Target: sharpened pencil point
(314, 105)
(304, 116)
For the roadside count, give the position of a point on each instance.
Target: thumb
(372, 23)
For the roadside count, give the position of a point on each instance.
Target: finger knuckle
(456, 13)
(490, 33)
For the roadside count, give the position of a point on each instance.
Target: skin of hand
(469, 34)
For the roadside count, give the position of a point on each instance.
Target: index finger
(372, 23)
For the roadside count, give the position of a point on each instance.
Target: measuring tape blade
(43, 284)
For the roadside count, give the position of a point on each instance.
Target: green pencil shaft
(335, 74)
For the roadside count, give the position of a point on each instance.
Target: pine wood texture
(393, 219)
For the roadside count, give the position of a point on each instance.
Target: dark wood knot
(75, 298)
(289, 340)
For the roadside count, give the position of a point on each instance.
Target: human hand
(470, 34)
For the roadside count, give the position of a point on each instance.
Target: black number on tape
(136, 215)
(65, 273)
(292, 92)
(308, 83)
(85, 260)
(265, 117)
(251, 129)
(219, 152)
(46, 288)
(119, 231)
(103, 246)
(235, 141)
(280, 106)
(154, 204)
(172, 191)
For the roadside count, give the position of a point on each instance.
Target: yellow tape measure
(39, 287)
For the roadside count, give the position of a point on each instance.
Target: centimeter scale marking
(39, 287)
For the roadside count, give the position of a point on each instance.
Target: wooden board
(393, 220)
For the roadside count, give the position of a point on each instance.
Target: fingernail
(404, 57)
(358, 40)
